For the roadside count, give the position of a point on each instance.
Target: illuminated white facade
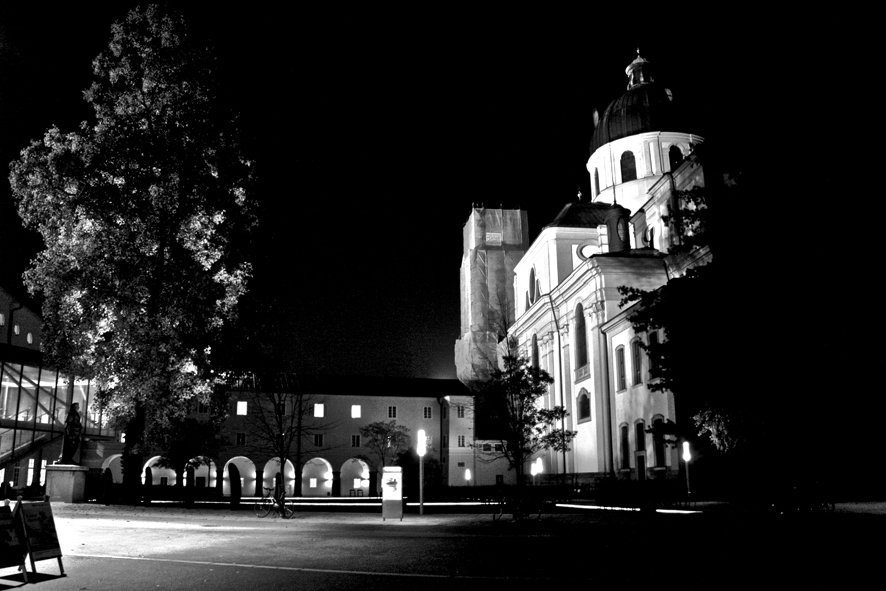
(568, 317)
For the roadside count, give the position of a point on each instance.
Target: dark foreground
(169, 548)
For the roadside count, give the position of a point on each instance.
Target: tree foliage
(385, 440)
(690, 358)
(509, 403)
(144, 216)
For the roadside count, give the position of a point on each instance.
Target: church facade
(565, 312)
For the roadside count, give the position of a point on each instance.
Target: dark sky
(375, 133)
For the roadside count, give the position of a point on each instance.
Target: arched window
(641, 436)
(625, 449)
(636, 361)
(584, 405)
(675, 157)
(653, 343)
(658, 440)
(534, 291)
(596, 182)
(534, 351)
(628, 167)
(581, 338)
(620, 383)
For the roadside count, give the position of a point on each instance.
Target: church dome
(646, 106)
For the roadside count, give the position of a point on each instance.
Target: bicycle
(265, 505)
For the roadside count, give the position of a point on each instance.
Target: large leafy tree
(689, 358)
(144, 215)
(509, 410)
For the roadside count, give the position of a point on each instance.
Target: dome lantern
(638, 71)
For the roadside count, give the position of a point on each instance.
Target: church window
(461, 440)
(596, 182)
(628, 167)
(318, 439)
(16, 329)
(653, 343)
(636, 361)
(392, 412)
(319, 410)
(241, 407)
(675, 157)
(584, 405)
(427, 413)
(355, 411)
(460, 411)
(625, 449)
(641, 436)
(355, 441)
(534, 287)
(581, 338)
(534, 351)
(658, 441)
(620, 369)
(2, 319)
(241, 438)
(30, 339)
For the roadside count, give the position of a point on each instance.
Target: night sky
(374, 134)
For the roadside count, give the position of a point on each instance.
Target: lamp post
(422, 449)
(686, 457)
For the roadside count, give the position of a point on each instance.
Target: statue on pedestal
(72, 435)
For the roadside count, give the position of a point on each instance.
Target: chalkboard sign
(12, 551)
(37, 528)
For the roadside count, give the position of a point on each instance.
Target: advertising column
(392, 493)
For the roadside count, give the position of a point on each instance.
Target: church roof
(585, 215)
(646, 106)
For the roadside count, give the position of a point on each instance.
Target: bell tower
(494, 242)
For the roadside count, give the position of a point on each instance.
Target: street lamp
(422, 449)
(686, 457)
(536, 468)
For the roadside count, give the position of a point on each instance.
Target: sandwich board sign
(36, 528)
(392, 493)
(12, 549)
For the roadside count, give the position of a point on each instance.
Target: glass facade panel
(10, 379)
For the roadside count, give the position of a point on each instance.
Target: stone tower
(494, 242)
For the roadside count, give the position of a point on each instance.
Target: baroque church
(557, 296)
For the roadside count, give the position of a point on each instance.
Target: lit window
(241, 438)
(392, 412)
(241, 407)
(636, 361)
(2, 319)
(355, 441)
(461, 440)
(355, 411)
(312, 483)
(30, 339)
(460, 411)
(427, 413)
(318, 410)
(358, 483)
(620, 368)
(318, 439)
(16, 329)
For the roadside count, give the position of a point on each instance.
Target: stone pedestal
(66, 483)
